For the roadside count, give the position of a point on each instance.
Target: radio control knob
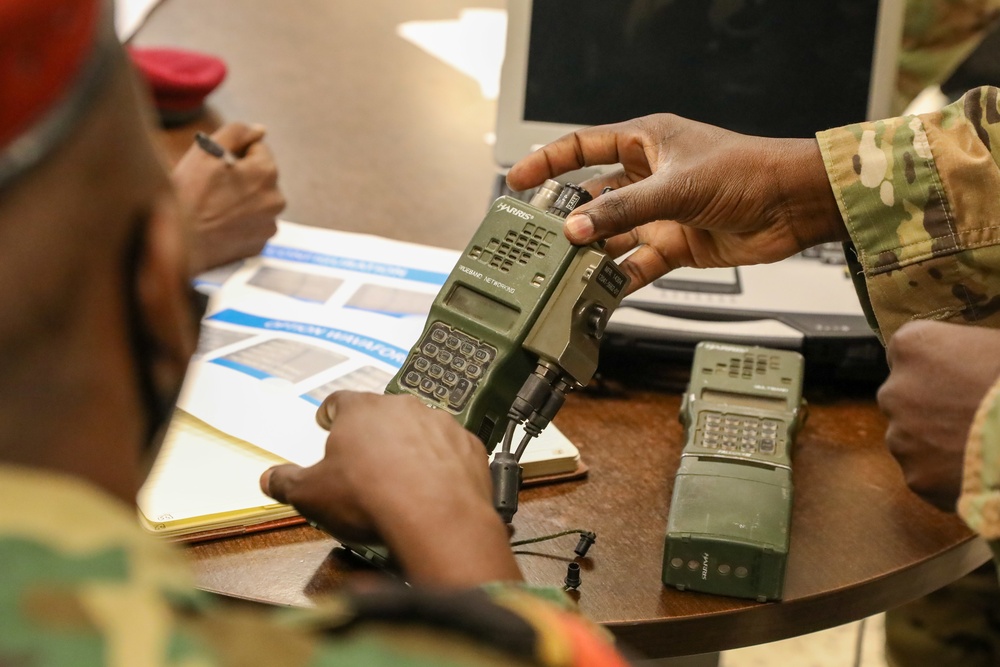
(597, 319)
(569, 198)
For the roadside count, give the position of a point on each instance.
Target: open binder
(204, 483)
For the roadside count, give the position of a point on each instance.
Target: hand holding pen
(210, 146)
(229, 183)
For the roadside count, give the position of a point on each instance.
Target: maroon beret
(180, 80)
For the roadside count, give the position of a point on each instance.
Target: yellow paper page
(202, 471)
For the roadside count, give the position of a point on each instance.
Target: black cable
(546, 538)
(522, 446)
(508, 436)
(544, 413)
(587, 538)
(859, 644)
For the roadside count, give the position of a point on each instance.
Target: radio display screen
(482, 308)
(752, 401)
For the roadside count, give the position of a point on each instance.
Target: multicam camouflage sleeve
(937, 36)
(81, 585)
(979, 503)
(921, 199)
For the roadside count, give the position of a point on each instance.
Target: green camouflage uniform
(921, 199)
(81, 584)
(960, 624)
(937, 36)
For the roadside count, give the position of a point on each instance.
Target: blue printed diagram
(295, 361)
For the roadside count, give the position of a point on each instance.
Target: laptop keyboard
(827, 253)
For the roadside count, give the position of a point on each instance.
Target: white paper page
(265, 365)
(130, 15)
(344, 270)
(201, 471)
(317, 288)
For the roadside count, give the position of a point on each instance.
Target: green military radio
(728, 529)
(517, 325)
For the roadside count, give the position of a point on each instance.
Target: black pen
(210, 146)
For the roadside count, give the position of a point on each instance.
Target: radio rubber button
(460, 392)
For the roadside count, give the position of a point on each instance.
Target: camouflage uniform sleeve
(81, 585)
(979, 502)
(920, 196)
(500, 623)
(937, 36)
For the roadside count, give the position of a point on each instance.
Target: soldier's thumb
(616, 212)
(279, 482)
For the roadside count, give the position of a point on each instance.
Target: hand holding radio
(929, 420)
(516, 326)
(415, 481)
(691, 194)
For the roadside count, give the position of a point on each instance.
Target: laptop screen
(783, 68)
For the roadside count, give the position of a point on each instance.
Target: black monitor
(783, 68)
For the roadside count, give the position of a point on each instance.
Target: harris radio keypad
(447, 366)
(738, 433)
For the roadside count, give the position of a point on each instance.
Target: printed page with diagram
(312, 315)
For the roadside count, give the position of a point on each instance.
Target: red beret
(55, 56)
(44, 44)
(180, 80)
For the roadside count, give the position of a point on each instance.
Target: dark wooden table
(374, 135)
